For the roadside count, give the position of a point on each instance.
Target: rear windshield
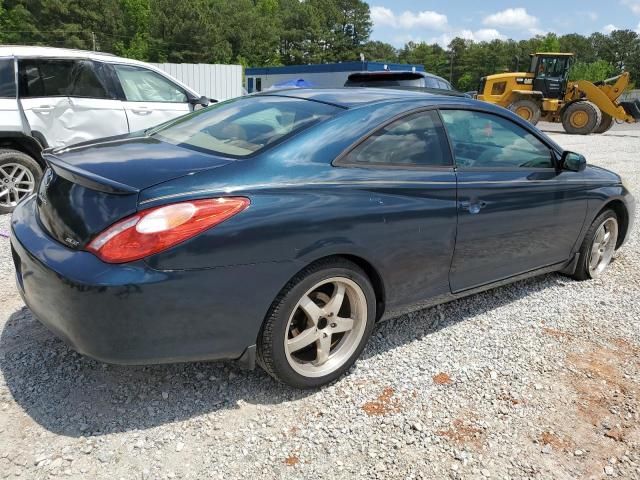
(244, 126)
(385, 80)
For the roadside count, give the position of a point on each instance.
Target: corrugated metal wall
(214, 81)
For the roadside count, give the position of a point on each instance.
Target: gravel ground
(539, 379)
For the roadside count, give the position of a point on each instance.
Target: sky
(400, 21)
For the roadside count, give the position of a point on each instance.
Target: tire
(585, 269)
(605, 124)
(527, 109)
(17, 165)
(581, 118)
(302, 364)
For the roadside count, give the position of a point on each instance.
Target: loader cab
(551, 73)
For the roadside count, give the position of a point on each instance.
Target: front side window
(482, 140)
(244, 126)
(417, 140)
(86, 83)
(143, 85)
(7, 78)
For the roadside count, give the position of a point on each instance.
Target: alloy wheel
(16, 182)
(326, 327)
(603, 246)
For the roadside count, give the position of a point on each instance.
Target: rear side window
(59, 78)
(143, 85)
(244, 126)
(418, 140)
(482, 140)
(45, 78)
(7, 78)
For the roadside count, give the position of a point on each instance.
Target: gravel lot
(539, 379)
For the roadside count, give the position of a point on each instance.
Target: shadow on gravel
(72, 395)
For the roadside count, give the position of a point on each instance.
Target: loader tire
(605, 124)
(527, 110)
(581, 118)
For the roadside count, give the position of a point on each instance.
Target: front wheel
(318, 325)
(598, 246)
(19, 177)
(581, 118)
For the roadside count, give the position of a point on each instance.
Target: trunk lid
(88, 187)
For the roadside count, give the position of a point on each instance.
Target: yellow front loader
(545, 93)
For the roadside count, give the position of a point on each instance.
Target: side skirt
(567, 267)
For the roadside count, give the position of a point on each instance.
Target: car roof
(52, 52)
(352, 97)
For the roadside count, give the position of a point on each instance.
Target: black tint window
(87, 83)
(417, 140)
(45, 78)
(482, 140)
(7, 78)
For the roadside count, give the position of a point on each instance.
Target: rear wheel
(318, 325)
(527, 109)
(598, 246)
(605, 124)
(581, 118)
(19, 177)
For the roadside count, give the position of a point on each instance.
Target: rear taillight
(151, 231)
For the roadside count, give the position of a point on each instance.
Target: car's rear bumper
(133, 314)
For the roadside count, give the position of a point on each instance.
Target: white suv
(51, 97)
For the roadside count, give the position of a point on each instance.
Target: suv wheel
(19, 177)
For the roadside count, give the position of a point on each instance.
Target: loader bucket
(632, 108)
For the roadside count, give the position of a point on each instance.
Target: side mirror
(204, 101)
(573, 162)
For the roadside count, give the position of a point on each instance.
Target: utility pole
(93, 41)
(451, 67)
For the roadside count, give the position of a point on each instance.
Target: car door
(43, 91)
(516, 211)
(95, 110)
(150, 98)
(407, 172)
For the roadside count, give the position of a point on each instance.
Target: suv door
(516, 212)
(97, 111)
(43, 87)
(66, 102)
(10, 120)
(149, 98)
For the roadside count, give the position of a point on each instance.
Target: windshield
(244, 126)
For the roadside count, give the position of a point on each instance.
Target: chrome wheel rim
(326, 327)
(16, 182)
(603, 247)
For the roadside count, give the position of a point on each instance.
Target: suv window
(87, 82)
(143, 85)
(244, 126)
(59, 78)
(482, 140)
(45, 78)
(416, 140)
(7, 78)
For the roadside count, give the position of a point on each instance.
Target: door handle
(472, 207)
(43, 109)
(140, 111)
